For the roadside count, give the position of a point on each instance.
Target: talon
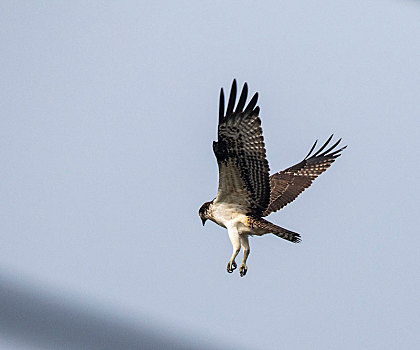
(242, 270)
(231, 266)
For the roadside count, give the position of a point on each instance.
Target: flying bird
(246, 191)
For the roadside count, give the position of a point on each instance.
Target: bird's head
(204, 212)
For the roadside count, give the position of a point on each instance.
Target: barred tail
(286, 234)
(281, 232)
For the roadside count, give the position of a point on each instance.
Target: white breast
(225, 214)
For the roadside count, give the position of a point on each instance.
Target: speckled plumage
(246, 192)
(287, 184)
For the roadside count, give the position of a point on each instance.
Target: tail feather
(278, 231)
(286, 234)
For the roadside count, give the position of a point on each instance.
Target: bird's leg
(234, 238)
(245, 248)
(231, 265)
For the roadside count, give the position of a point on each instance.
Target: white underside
(230, 216)
(234, 218)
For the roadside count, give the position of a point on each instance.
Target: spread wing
(240, 153)
(286, 185)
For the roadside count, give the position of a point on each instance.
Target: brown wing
(240, 153)
(286, 185)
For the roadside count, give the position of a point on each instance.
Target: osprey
(246, 191)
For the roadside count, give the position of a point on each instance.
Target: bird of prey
(246, 191)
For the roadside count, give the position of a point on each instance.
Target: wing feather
(287, 184)
(241, 156)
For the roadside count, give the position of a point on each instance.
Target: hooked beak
(203, 220)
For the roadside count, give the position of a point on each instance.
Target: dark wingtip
(325, 153)
(221, 106)
(242, 99)
(330, 152)
(323, 146)
(337, 153)
(232, 99)
(312, 148)
(252, 103)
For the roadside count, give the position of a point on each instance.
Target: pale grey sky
(108, 111)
